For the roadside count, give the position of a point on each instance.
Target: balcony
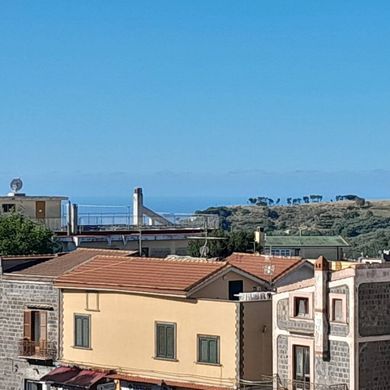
(37, 350)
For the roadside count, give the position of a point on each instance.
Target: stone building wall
(337, 369)
(374, 358)
(374, 320)
(282, 357)
(285, 323)
(16, 297)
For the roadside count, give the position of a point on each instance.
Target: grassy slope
(367, 228)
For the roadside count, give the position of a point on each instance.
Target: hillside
(367, 227)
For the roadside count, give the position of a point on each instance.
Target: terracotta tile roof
(59, 265)
(255, 264)
(166, 276)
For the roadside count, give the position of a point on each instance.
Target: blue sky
(195, 97)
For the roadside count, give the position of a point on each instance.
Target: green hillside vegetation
(365, 225)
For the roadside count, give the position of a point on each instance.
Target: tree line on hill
(265, 201)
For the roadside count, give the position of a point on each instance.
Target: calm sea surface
(159, 204)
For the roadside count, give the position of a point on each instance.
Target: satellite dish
(16, 184)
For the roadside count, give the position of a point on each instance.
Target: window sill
(301, 318)
(95, 310)
(209, 364)
(84, 348)
(338, 322)
(165, 359)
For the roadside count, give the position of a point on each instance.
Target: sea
(161, 205)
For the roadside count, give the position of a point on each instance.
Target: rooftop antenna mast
(204, 250)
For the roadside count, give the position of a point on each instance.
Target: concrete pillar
(138, 204)
(69, 216)
(74, 219)
(321, 323)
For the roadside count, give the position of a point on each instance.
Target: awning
(73, 376)
(164, 383)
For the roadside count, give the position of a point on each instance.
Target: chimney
(138, 201)
(321, 324)
(260, 237)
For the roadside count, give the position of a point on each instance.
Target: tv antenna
(204, 250)
(16, 185)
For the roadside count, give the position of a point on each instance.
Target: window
(235, 287)
(302, 367)
(35, 325)
(301, 307)
(8, 207)
(32, 385)
(338, 307)
(208, 349)
(281, 252)
(165, 341)
(82, 330)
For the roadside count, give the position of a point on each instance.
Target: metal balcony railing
(90, 222)
(105, 222)
(40, 350)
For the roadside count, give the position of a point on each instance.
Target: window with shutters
(208, 349)
(166, 340)
(82, 331)
(35, 325)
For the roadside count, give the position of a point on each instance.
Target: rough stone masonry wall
(282, 357)
(296, 325)
(337, 369)
(374, 313)
(14, 299)
(374, 372)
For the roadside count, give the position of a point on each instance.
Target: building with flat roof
(308, 247)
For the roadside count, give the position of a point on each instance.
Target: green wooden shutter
(170, 341)
(161, 344)
(78, 331)
(86, 334)
(213, 351)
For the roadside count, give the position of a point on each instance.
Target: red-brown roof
(167, 276)
(59, 265)
(73, 376)
(256, 264)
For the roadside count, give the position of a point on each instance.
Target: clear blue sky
(195, 97)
